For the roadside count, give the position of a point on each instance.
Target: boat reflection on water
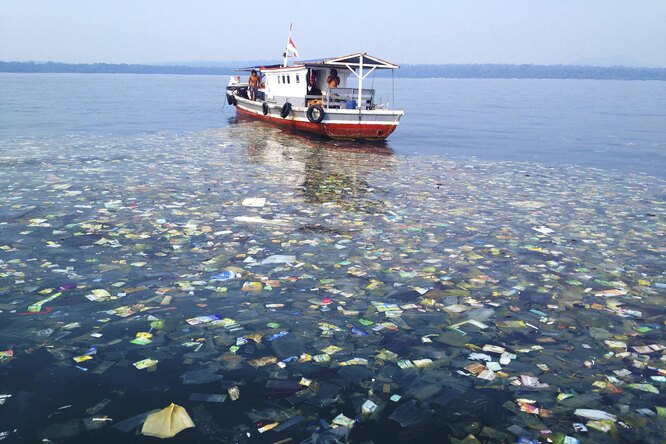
(324, 171)
(377, 147)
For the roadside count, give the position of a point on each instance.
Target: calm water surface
(602, 124)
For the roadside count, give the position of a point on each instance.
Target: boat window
(283, 80)
(278, 79)
(288, 80)
(297, 79)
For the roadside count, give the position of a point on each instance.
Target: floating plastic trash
(466, 300)
(167, 422)
(199, 377)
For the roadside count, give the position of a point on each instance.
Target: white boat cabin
(306, 84)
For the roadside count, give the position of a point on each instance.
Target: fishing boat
(300, 96)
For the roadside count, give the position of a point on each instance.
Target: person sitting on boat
(333, 80)
(253, 84)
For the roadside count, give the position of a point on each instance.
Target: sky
(416, 31)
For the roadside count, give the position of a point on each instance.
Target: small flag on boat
(291, 47)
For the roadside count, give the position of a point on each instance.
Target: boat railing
(348, 97)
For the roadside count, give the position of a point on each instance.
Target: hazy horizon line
(244, 63)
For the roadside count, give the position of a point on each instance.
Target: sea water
(603, 124)
(493, 268)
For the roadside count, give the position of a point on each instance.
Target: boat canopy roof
(259, 67)
(350, 61)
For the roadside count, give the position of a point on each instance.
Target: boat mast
(286, 48)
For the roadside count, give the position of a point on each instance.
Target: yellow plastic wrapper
(145, 363)
(252, 286)
(167, 422)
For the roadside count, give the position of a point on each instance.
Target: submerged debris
(347, 293)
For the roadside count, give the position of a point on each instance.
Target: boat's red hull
(366, 131)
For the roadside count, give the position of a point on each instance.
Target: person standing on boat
(312, 83)
(253, 84)
(333, 80)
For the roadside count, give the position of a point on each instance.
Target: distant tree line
(109, 68)
(496, 71)
(480, 71)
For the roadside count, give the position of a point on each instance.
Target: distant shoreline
(475, 71)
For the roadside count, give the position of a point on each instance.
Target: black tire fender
(264, 108)
(231, 99)
(315, 113)
(286, 109)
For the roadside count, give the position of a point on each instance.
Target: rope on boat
(224, 102)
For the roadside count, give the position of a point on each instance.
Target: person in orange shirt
(333, 80)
